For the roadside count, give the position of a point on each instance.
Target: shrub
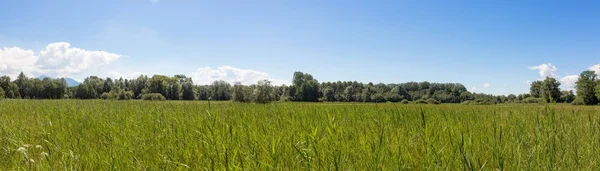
(432, 101)
(153, 97)
(404, 101)
(420, 101)
(117, 95)
(468, 102)
(1, 93)
(578, 101)
(108, 96)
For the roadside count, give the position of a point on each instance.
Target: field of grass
(141, 135)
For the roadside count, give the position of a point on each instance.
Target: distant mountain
(70, 81)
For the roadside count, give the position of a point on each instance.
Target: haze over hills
(70, 81)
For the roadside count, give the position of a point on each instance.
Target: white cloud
(117, 75)
(14, 60)
(56, 60)
(545, 70)
(59, 59)
(486, 85)
(595, 68)
(569, 81)
(473, 89)
(207, 75)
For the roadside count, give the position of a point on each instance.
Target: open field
(142, 135)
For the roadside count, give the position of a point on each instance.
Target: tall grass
(142, 135)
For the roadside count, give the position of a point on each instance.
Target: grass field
(141, 135)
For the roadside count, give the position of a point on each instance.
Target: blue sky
(503, 44)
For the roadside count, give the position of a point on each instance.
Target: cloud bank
(56, 60)
(207, 75)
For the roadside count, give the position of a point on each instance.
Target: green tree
(21, 83)
(328, 94)
(306, 88)
(349, 93)
(158, 84)
(585, 86)
(173, 89)
(262, 91)
(567, 96)
(220, 90)
(239, 93)
(85, 91)
(188, 92)
(536, 89)
(550, 90)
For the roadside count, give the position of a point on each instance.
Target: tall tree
(305, 86)
(550, 90)
(21, 81)
(220, 90)
(536, 89)
(188, 92)
(567, 96)
(349, 93)
(158, 84)
(262, 91)
(585, 86)
(328, 94)
(239, 93)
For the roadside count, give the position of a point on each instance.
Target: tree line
(548, 91)
(304, 87)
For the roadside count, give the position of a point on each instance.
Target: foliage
(153, 97)
(585, 86)
(262, 92)
(420, 101)
(578, 101)
(304, 87)
(549, 90)
(432, 101)
(240, 93)
(536, 89)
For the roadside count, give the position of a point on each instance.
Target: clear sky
(490, 46)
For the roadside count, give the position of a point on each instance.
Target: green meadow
(179, 135)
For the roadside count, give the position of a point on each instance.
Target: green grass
(141, 135)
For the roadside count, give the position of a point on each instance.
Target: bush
(420, 101)
(432, 101)
(1, 93)
(108, 96)
(468, 102)
(533, 100)
(153, 97)
(578, 101)
(117, 95)
(404, 101)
